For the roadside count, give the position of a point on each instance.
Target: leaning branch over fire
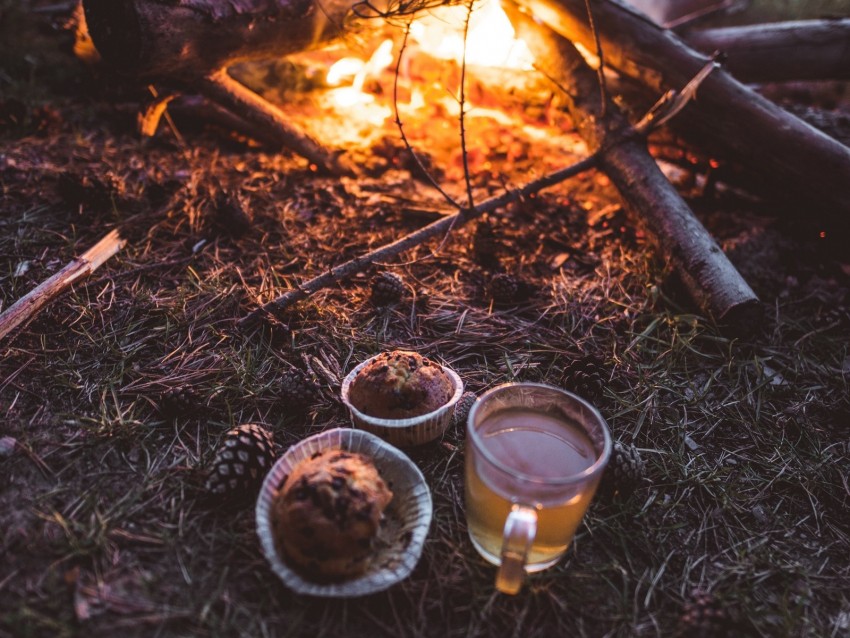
(28, 306)
(800, 50)
(711, 279)
(796, 161)
(435, 229)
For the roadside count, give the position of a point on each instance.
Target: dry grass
(103, 524)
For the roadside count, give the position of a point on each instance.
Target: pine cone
(462, 408)
(585, 377)
(297, 389)
(177, 401)
(387, 289)
(624, 474)
(241, 463)
(233, 215)
(506, 289)
(485, 245)
(704, 617)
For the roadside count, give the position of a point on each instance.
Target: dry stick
(222, 88)
(785, 156)
(415, 238)
(799, 50)
(600, 53)
(28, 306)
(470, 203)
(710, 278)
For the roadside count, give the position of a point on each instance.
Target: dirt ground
(105, 528)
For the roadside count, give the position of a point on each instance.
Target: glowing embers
(434, 36)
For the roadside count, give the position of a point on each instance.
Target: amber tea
(534, 458)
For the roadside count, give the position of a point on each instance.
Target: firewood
(782, 51)
(710, 278)
(188, 44)
(28, 306)
(795, 161)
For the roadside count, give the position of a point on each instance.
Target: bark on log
(782, 51)
(710, 278)
(190, 43)
(783, 153)
(188, 39)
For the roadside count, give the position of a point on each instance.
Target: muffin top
(400, 385)
(328, 513)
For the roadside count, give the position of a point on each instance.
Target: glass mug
(534, 456)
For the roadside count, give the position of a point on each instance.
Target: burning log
(783, 154)
(801, 50)
(190, 43)
(711, 279)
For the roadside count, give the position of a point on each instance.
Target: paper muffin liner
(403, 529)
(404, 432)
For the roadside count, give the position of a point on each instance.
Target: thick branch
(435, 229)
(782, 51)
(190, 43)
(266, 117)
(795, 161)
(709, 276)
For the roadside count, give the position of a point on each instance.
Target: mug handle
(517, 538)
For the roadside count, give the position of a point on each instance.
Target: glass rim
(590, 472)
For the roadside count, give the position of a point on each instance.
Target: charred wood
(711, 279)
(782, 153)
(190, 43)
(782, 51)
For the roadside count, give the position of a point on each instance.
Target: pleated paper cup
(402, 532)
(404, 432)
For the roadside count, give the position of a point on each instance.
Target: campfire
(437, 72)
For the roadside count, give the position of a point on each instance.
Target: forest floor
(105, 528)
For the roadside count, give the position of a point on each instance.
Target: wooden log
(188, 39)
(710, 278)
(781, 51)
(28, 306)
(268, 119)
(783, 154)
(190, 44)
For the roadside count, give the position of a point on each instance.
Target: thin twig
(603, 87)
(415, 238)
(462, 117)
(400, 124)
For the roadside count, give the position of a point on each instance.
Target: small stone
(7, 446)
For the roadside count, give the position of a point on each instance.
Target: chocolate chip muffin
(327, 514)
(400, 385)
